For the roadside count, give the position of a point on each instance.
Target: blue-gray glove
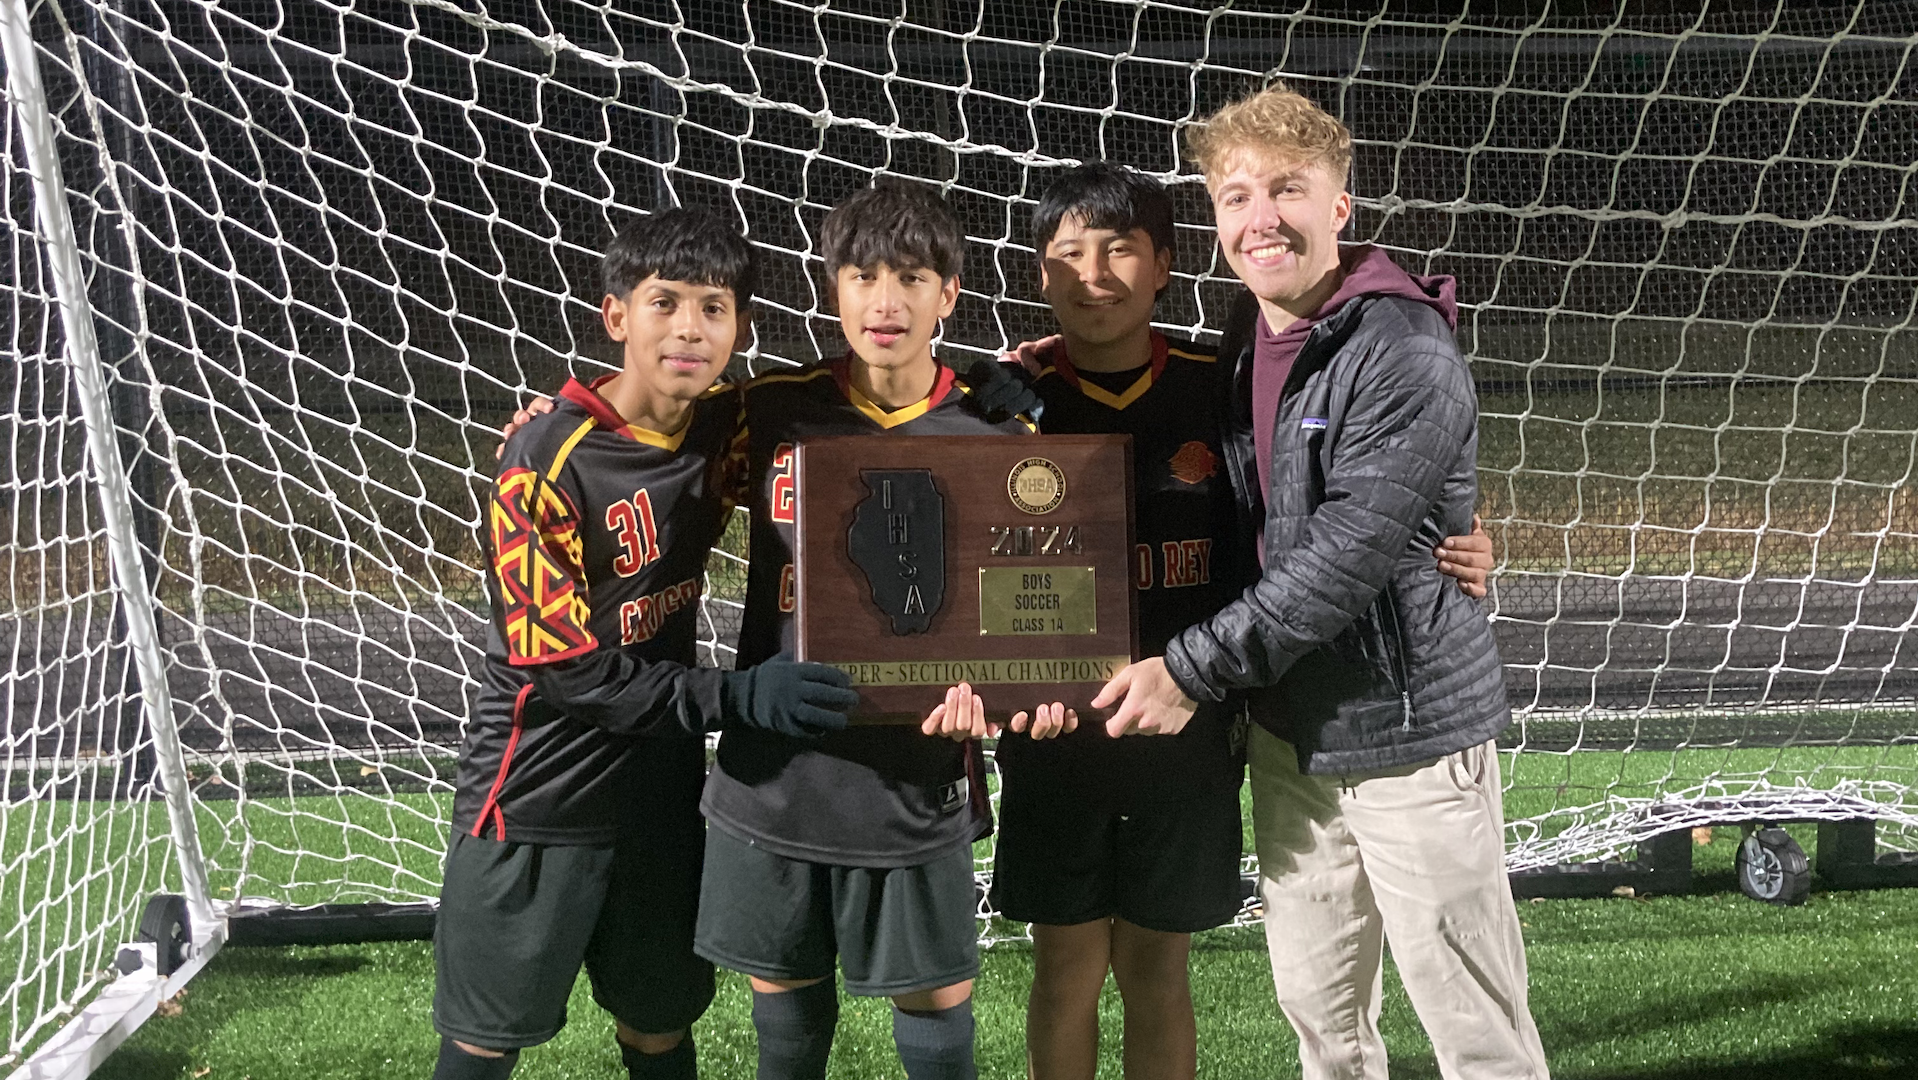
(803, 700)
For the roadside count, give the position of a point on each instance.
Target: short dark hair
(1105, 196)
(681, 244)
(902, 224)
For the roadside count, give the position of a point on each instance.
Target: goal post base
(330, 924)
(1663, 865)
(1847, 854)
(109, 1019)
(1848, 858)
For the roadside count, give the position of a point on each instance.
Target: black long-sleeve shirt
(871, 795)
(1193, 557)
(590, 708)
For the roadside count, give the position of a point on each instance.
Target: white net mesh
(356, 234)
(83, 837)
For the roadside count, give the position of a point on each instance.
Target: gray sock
(795, 1031)
(935, 1045)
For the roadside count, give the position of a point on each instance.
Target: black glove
(792, 698)
(1003, 391)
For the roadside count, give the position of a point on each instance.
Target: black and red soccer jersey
(866, 796)
(589, 708)
(1192, 557)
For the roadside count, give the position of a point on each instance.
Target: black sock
(679, 1063)
(795, 1031)
(935, 1045)
(457, 1064)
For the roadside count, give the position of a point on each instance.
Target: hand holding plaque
(1000, 561)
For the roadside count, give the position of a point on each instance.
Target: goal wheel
(165, 923)
(1773, 868)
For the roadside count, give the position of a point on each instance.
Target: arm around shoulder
(1411, 413)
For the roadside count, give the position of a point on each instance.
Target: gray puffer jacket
(1352, 646)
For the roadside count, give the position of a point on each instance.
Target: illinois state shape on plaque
(898, 540)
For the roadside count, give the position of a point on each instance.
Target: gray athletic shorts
(516, 921)
(893, 930)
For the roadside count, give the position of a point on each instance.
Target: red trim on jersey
(505, 762)
(941, 386)
(842, 374)
(587, 397)
(553, 658)
(942, 383)
(1056, 356)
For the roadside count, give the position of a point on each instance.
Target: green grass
(294, 841)
(1709, 982)
(1706, 986)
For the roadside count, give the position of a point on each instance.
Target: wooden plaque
(1001, 561)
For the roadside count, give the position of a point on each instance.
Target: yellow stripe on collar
(1117, 401)
(669, 443)
(880, 416)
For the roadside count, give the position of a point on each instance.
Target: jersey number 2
(782, 470)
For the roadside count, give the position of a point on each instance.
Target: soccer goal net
(316, 251)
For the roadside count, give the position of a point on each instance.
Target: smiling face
(1279, 223)
(1102, 283)
(890, 315)
(676, 335)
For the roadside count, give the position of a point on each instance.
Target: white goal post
(276, 271)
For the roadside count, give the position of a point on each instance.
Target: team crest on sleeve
(1194, 462)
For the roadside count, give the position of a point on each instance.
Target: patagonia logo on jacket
(1312, 423)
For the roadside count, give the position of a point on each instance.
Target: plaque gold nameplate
(1000, 561)
(1038, 600)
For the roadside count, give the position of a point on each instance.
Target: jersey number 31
(638, 537)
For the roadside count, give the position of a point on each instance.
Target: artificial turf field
(1704, 986)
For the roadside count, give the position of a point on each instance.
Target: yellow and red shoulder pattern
(533, 535)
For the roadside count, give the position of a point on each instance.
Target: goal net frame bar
(86, 1041)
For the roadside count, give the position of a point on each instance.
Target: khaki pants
(1412, 855)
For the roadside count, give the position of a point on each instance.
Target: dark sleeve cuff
(702, 699)
(1179, 665)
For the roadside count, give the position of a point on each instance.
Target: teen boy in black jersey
(1117, 850)
(858, 846)
(576, 829)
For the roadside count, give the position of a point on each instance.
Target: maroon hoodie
(1368, 272)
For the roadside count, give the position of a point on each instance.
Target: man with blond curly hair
(1376, 690)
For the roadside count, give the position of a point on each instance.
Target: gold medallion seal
(1036, 486)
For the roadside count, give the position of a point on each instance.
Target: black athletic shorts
(1172, 867)
(894, 930)
(516, 921)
